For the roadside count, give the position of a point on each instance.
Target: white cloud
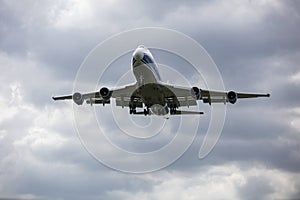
(27, 129)
(96, 15)
(217, 182)
(296, 78)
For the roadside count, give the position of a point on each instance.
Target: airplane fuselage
(148, 79)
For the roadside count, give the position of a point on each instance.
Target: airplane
(153, 96)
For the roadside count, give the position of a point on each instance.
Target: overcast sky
(256, 46)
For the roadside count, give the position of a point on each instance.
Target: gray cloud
(256, 47)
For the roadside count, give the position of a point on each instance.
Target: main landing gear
(173, 109)
(146, 111)
(132, 109)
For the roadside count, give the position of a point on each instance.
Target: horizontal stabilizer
(178, 112)
(183, 112)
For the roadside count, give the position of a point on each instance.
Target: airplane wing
(224, 97)
(78, 98)
(124, 96)
(183, 96)
(62, 97)
(175, 96)
(178, 96)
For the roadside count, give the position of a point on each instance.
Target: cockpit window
(147, 59)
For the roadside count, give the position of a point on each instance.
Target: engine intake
(77, 98)
(105, 93)
(196, 93)
(232, 97)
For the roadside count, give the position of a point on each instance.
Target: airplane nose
(139, 55)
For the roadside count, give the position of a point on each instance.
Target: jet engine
(77, 98)
(105, 93)
(232, 97)
(196, 92)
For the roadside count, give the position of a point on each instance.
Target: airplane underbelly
(144, 75)
(152, 94)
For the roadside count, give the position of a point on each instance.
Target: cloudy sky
(256, 46)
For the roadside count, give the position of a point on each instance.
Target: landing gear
(146, 111)
(173, 109)
(132, 109)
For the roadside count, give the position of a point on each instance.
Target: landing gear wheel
(146, 111)
(173, 110)
(132, 109)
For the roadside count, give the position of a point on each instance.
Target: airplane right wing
(124, 96)
(183, 96)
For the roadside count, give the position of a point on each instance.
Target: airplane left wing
(183, 96)
(208, 96)
(178, 96)
(62, 97)
(126, 97)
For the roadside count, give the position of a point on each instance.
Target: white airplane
(153, 96)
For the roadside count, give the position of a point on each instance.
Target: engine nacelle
(196, 93)
(105, 93)
(77, 98)
(232, 97)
